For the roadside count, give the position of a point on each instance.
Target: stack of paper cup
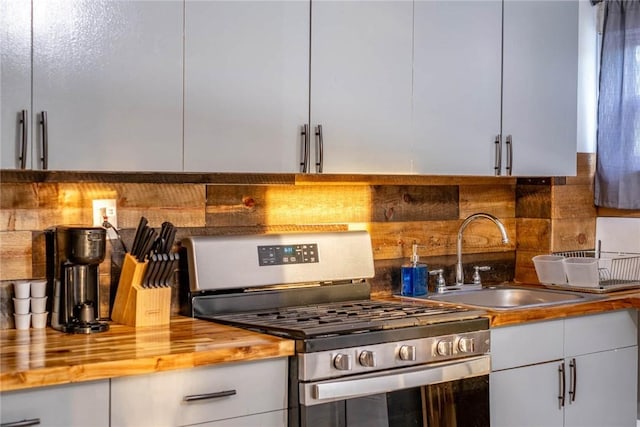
(22, 304)
(30, 304)
(38, 304)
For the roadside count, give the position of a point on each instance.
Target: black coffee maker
(74, 255)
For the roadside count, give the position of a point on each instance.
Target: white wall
(587, 78)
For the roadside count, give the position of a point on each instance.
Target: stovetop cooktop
(344, 317)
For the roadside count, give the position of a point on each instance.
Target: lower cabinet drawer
(69, 405)
(199, 395)
(268, 419)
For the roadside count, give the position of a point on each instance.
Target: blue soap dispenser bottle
(414, 275)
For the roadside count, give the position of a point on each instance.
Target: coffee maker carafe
(74, 255)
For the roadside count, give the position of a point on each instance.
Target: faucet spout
(465, 223)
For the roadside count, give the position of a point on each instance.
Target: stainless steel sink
(503, 298)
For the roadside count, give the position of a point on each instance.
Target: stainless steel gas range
(358, 361)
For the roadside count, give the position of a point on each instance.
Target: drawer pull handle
(23, 423)
(207, 396)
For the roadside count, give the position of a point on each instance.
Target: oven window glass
(462, 403)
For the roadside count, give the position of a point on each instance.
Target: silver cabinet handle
(509, 144)
(497, 164)
(573, 374)
(304, 161)
(562, 385)
(320, 149)
(23, 144)
(45, 140)
(208, 396)
(23, 423)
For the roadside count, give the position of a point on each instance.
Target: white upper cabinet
(246, 85)
(457, 76)
(107, 75)
(481, 72)
(15, 83)
(540, 80)
(361, 86)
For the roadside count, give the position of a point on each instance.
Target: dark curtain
(617, 183)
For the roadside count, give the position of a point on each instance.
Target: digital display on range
(288, 254)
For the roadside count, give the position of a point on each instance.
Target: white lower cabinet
(586, 378)
(238, 394)
(81, 405)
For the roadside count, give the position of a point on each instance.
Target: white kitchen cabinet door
(540, 71)
(246, 85)
(109, 76)
(605, 389)
(361, 73)
(15, 81)
(70, 405)
(457, 77)
(526, 396)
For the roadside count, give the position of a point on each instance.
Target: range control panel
(288, 254)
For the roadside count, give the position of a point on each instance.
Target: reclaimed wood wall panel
(533, 234)
(240, 205)
(414, 203)
(498, 200)
(625, 213)
(573, 234)
(394, 240)
(572, 201)
(15, 250)
(18, 207)
(525, 270)
(533, 201)
(586, 169)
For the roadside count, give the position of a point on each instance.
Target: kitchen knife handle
(509, 144)
(304, 161)
(573, 373)
(45, 140)
(497, 164)
(207, 396)
(563, 385)
(23, 141)
(23, 423)
(320, 149)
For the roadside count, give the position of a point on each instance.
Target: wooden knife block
(138, 306)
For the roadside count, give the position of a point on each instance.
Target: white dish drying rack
(608, 271)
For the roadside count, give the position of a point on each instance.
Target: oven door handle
(388, 381)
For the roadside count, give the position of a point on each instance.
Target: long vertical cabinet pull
(23, 144)
(573, 374)
(304, 161)
(319, 150)
(562, 386)
(509, 144)
(497, 167)
(45, 140)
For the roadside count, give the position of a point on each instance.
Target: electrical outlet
(105, 209)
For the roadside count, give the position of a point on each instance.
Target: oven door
(454, 393)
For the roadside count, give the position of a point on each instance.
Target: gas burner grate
(342, 318)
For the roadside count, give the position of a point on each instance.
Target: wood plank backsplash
(541, 215)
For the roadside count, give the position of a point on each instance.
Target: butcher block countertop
(42, 357)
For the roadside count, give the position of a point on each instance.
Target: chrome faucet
(467, 221)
